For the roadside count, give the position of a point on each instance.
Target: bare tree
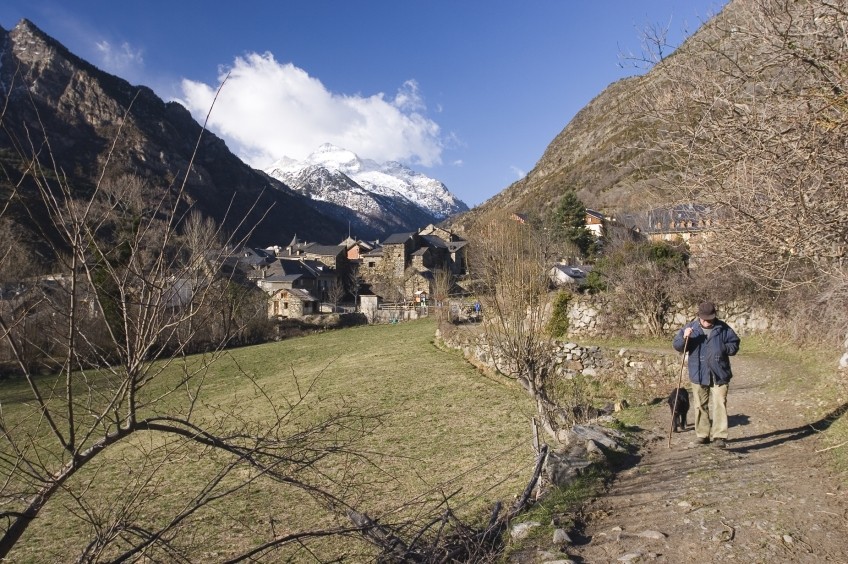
(128, 298)
(757, 134)
(354, 282)
(200, 234)
(335, 293)
(389, 284)
(511, 262)
(443, 282)
(644, 279)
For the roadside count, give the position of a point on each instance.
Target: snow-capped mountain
(379, 198)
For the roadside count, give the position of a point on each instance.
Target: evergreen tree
(570, 222)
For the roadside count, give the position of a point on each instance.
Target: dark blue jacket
(708, 358)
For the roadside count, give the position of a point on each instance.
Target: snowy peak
(365, 186)
(327, 156)
(333, 157)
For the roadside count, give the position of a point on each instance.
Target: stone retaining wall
(648, 374)
(589, 315)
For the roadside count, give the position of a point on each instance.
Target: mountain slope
(387, 197)
(52, 97)
(609, 152)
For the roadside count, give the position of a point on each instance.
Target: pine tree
(570, 222)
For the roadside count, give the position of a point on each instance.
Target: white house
(564, 275)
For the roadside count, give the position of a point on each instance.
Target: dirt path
(768, 498)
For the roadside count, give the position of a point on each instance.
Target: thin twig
(832, 447)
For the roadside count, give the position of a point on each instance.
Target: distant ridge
(53, 97)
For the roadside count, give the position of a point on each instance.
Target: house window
(276, 307)
(371, 264)
(285, 305)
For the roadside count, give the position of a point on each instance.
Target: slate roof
(324, 250)
(288, 271)
(303, 295)
(253, 257)
(434, 241)
(572, 271)
(398, 238)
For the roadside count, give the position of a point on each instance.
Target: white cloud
(122, 60)
(267, 110)
(518, 172)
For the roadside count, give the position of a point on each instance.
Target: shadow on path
(784, 435)
(738, 420)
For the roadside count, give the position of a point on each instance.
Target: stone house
(306, 271)
(291, 285)
(406, 262)
(371, 262)
(676, 223)
(291, 303)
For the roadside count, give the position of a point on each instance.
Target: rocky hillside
(607, 152)
(82, 122)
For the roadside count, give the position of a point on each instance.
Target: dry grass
(444, 429)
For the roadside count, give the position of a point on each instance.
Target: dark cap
(706, 311)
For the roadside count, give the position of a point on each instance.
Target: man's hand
(687, 332)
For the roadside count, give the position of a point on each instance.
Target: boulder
(522, 530)
(561, 468)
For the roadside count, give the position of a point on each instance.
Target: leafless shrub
(130, 296)
(757, 134)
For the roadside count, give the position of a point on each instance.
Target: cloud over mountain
(267, 109)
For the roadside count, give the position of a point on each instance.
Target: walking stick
(677, 390)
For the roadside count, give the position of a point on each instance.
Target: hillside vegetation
(747, 120)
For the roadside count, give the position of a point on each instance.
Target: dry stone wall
(646, 374)
(591, 316)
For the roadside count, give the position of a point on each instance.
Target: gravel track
(769, 497)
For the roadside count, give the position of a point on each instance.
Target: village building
(684, 222)
(404, 266)
(302, 277)
(595, 221)
(356, 248)
(291, 303)
(563, 275)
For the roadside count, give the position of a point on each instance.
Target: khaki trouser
(711, 411)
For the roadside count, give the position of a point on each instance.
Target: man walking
(710, 342)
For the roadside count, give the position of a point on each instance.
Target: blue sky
(466, 91)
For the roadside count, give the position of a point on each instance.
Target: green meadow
(436, 428)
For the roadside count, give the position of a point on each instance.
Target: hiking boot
(720, 443)
(702, 440)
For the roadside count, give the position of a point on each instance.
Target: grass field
(444, 429)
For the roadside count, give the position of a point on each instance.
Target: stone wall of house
(589, 316)
(394, 260)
